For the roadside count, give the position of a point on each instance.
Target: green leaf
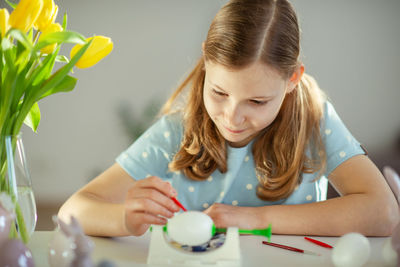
(20, 86)
(44, 69)
(58, 76)
(64, 24)
(52, 82)
(60, 37)
(33, 118)
(61, 58)
(8, 82)
(11, 4)
(6, 44)
(21, 37)
(66, 85)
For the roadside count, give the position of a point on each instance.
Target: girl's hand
(233, 216)
(147, 202)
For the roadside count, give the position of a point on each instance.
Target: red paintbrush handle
(282, 246)
(178, 203)
(322, 244)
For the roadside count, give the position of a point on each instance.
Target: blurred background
(350, 47)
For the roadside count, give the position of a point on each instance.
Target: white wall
(351, 47)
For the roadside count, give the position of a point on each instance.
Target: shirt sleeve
(340, 144)
(151, 153)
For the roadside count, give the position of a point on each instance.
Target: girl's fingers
(147, 218)
(138, 223)
(158, 197)
(149, 202)
(148, 206)
(157, 183)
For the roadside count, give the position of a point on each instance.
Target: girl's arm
(114, 204)
(366, 205)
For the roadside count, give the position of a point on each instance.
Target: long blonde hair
(243, 32)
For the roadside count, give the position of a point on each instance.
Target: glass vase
(16, 181)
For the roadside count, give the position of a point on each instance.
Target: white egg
(388, 253)
(351, 250)
(191, 228)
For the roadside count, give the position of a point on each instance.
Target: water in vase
(27, 203)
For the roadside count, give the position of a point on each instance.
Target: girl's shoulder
(330, 117)
(171, 121)
(340, 144)
(328, 109)
(167, 127)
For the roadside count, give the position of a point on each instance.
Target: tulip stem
(35, 38)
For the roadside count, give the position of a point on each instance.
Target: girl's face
(243, 102)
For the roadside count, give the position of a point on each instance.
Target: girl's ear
(295, 79)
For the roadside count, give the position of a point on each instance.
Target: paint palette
(214, 243)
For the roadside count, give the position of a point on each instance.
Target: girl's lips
(234, 131)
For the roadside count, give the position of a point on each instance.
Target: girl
(248, 138)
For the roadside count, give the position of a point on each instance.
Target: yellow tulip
(47, 16)
(55, 27)
(4, 21)
(100, 47)
(25, 14)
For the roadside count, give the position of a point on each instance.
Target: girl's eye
(218, 92)
(258, 103)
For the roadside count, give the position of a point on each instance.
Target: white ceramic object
(388, 253)
(61, 250)
(351, 250)
(190, 228)
(162, 253)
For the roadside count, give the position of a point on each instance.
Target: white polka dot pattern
(249, 186)
(166, 134)
(145, 155)
(309, 197)
(235, 203)
(342, 154)
(205, 205)
(191, 189)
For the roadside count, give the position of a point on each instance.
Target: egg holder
(161, 252)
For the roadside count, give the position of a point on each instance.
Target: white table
(132, 251)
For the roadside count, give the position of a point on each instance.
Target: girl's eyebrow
(254, 97)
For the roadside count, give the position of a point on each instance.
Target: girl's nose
(234, 116)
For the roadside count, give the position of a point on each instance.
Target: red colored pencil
(290, 248)
(178, 203)
(319, 243)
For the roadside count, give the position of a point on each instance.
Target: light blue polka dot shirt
(150, 154)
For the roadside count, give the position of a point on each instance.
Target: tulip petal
(25, 14)
(47, 16)
(4, 26)
(101, 46)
